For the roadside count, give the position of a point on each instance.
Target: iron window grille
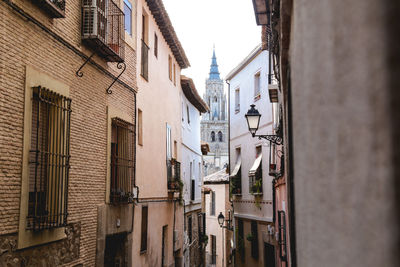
(49, 160)
(103, 29)
(282, 235)
(144, 65)
(173, 174)
(122, 169)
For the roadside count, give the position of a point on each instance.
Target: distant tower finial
(214, 72)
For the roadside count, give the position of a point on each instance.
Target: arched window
(212, 137)
(220, 136)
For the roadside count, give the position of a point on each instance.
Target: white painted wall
(240, 136)
(191, 151)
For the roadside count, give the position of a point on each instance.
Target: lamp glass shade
(221, 219)
(253, 119)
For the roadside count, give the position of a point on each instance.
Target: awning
(237, 168)
(256, 165)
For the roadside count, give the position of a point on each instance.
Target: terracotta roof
(191, 94)
(219, 176)
(164, 23)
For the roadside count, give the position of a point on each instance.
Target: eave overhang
(261, 11)
(164, 23)
(191, 94)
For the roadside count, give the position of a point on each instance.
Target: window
(140, 127)
(255, 174)
(170, 67)
(240, 239)
(213, 249)
(175, 149)
(48, 160)
(254, 240)
(183, 111)
(257, 86)
(212, 203)
(258, 150)
(144, 65)
(237, 100)
(212, 136)
(164, 246)
(236, 175)
(189, 231)
(155, 45)
(143, 240)
(282, 235)
(122, 172)
(174, 75)
(128, 16)
(188, 114)
(168, 141)
(192, 191)
(220, 136)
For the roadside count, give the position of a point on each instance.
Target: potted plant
(249, 237)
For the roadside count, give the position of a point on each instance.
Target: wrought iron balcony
(55, 8)
(174, 175)
(103, 29)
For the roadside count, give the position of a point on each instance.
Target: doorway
(269, 255)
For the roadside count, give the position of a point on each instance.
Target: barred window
(122, 170)
(49, 158)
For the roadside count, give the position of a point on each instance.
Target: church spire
(214, 72)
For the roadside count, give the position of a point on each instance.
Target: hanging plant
(249, 237)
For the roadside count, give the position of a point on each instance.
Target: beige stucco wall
(212, 226)
(342, 132)
(159, 101)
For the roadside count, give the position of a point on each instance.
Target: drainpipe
(229, 168)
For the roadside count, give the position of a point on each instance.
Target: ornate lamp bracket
(120, 65)
(277, 140)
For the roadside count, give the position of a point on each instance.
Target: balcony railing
(173, 174)
(144, 67)
(55, 8)
(103, 29)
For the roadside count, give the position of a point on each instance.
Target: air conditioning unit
(94, 19)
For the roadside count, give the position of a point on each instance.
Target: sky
(230, 25)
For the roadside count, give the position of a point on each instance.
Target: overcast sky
(229, 24)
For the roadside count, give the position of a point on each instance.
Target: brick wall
(23, 43)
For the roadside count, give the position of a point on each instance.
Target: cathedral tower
(214, 124)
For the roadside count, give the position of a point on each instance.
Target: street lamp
(221, 219)
(253, 121)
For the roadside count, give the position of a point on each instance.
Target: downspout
(229, 167)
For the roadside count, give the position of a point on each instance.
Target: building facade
(159, 224)
(214, 125)
(192, 172)
(340, 136)
(251, 182)
(218, 250)
(64, 198)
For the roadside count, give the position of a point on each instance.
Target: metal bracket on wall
(120, 65)
(79, 72)
(272, 138)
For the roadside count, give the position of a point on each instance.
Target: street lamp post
(221, 220)
(253, 121)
